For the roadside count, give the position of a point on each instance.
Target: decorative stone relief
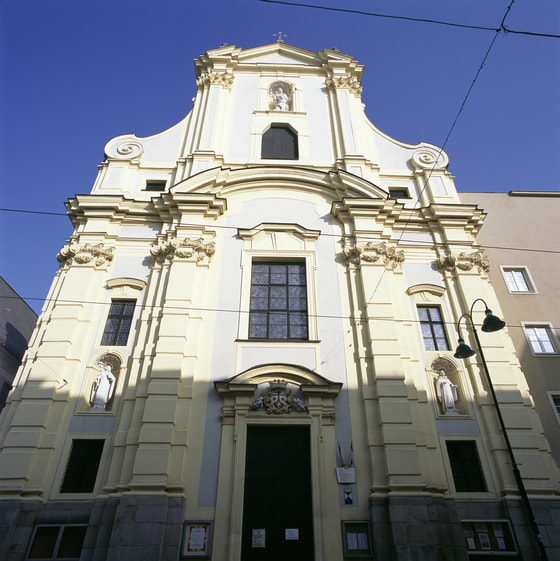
(85, 253)
(279, 399)
(371, 253)
(344, 82)
(280, 96)
(129, 150)
(431, 159)
(215, 79)
(184, 249)
(464, 261)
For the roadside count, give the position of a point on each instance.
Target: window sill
(291, 341)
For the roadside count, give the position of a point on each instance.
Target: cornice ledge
(296, 229)
(178, 203)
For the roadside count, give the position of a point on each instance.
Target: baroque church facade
(248, 350)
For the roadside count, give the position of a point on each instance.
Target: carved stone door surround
(310, 402)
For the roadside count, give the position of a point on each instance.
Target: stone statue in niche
(447, 394)
(280, 93)
(102, 389)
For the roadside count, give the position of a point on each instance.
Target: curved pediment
(291, 373)
(333, 185)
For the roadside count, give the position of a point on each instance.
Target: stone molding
(196, 249)
(100, 254)
(464, 261)
(371, 252)
(345, 82)
(215, 79)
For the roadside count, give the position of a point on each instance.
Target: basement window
(57, 542)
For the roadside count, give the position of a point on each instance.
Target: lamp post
(493, 323)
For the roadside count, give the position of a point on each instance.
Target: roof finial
(279, 35)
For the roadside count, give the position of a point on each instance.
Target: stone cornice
(176, 204)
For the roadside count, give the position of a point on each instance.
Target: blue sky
(75, 74)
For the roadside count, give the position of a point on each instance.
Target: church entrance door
(277, 504)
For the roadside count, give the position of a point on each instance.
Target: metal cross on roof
(280, 35)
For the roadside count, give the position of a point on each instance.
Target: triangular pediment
(229, 57)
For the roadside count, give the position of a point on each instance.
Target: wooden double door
(277, 505)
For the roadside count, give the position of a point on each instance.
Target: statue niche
(448, 388)
(281, 96)
(103, 386)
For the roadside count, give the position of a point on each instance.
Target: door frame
(238, 412)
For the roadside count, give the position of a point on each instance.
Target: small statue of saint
(281, 100)
(102, 389)
(447, 394)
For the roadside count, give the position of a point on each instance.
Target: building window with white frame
(555, 401)
(278, 306)
(541, 339)
(518, 280)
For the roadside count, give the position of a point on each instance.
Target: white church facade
(248, 350)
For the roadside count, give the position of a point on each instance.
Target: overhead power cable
(186, 309)
(416, 242)
(409, 18)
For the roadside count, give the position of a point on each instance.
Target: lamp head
(463, 350)
(491, 322)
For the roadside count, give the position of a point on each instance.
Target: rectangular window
(57, 542)
(555, 400)
(278, 307)
(517, 279)
(433, 330)
(465, 466)
(82, 466)
(118, 323)
(155, 185)
(540, 339)
(398, 193)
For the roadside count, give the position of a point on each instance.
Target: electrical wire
(408, 18)
(322, 234)
(168, 307)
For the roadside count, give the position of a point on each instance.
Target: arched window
(279, 142)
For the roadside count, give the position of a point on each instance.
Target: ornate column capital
(464, 261)
(345, 82)
(197, 250)
(100, 254)
(371, 252)
(210, 78)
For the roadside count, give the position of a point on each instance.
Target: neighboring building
(247, 352)
(17, 321)
(521, 238)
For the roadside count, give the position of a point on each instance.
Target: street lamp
(490, 324)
